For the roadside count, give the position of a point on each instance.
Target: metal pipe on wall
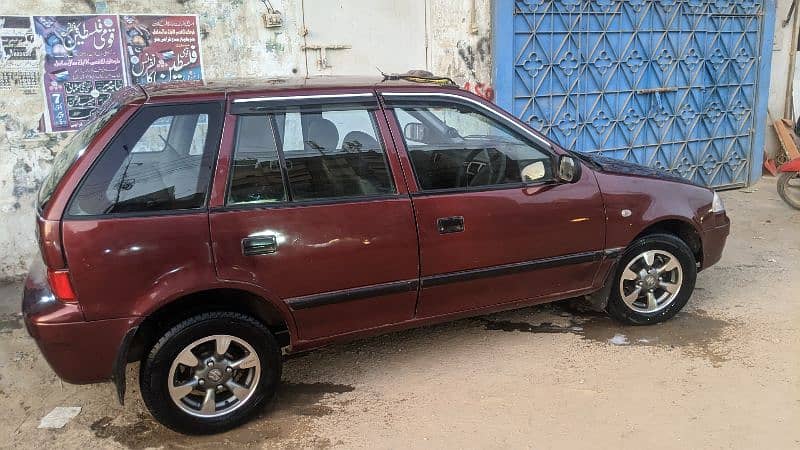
(793, 50)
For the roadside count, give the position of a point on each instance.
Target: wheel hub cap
(214, 375)
(651, 281)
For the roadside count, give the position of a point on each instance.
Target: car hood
(618, 167)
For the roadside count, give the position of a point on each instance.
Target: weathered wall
(779, 78)
(461, 42)
(235, 44)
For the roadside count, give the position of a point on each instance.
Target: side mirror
(568, 169)
(416, 132)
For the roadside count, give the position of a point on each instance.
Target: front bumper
(714, 239)
(78, 351)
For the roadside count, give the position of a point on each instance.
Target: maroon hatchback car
(205, 231)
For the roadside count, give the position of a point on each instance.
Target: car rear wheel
(210, 373)
(655, 278)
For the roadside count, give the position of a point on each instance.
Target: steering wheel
(474, 170)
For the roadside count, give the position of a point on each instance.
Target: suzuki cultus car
(205, 231)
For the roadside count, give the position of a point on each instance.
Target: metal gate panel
(673, 84)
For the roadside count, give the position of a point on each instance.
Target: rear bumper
(78, 351)
(714, 240)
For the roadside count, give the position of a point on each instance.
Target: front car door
(494, 225)
(312, 212)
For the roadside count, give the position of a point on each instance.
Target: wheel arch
(683, 229)
(234, 299)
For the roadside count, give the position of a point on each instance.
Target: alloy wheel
(214, 375)
(651, 281)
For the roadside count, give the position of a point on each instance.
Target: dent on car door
(314, 215)
(494, 225)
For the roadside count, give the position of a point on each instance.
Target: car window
(255, 172)
(160, 162)
(453, 146)
(72, 150)
(329, 153)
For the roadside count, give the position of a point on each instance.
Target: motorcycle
(789, 183)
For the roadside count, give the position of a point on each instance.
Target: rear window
(73, 149)
(161, 161)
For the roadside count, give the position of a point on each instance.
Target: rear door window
(161, 161)
(308, 153)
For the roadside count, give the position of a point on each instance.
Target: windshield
(72, 150)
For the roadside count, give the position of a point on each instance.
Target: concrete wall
(235, 44)
(781, 50)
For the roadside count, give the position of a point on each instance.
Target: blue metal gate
(678, 85)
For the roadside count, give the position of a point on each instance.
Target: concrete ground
(725, 373)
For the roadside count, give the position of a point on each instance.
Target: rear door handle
(447, 225)
(259, 245)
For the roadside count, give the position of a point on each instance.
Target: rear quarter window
(73, 148)
(161, 161)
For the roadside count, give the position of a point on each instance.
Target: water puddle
(695, 333)
(282, 419)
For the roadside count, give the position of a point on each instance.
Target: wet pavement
(696, 333)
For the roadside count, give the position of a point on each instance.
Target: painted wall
(235, 44)
(781, 50)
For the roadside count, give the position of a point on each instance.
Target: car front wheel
(655, 278)
(210, 373)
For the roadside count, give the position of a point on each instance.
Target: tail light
(61, 285)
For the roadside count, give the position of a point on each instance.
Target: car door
(494, 225)
(313, 213)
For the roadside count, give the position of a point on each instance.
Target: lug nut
(210, 363)
(201, 381)
(228, 369)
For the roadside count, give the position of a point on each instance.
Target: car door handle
(259, 245)
(453, 224)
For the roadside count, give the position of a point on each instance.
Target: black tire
(154, 372)
(620, 311)
(783, 182)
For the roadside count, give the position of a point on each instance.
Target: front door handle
(259, 245)
(453, 224)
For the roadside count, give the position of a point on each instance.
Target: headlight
(716, 205)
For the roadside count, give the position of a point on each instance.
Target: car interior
(443, 159)
(322, 166)
(162, 169)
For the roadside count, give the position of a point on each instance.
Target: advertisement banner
(19, 62)
(162, 49)
(83, 66)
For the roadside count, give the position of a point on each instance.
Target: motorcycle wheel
(789, 188)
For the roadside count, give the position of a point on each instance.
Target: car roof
(245, 85)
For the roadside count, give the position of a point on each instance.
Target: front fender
(634, 204)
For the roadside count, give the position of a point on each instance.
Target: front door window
(457, 147)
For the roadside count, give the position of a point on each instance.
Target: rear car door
(141, 211)
(494, 225)
(313, 214)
